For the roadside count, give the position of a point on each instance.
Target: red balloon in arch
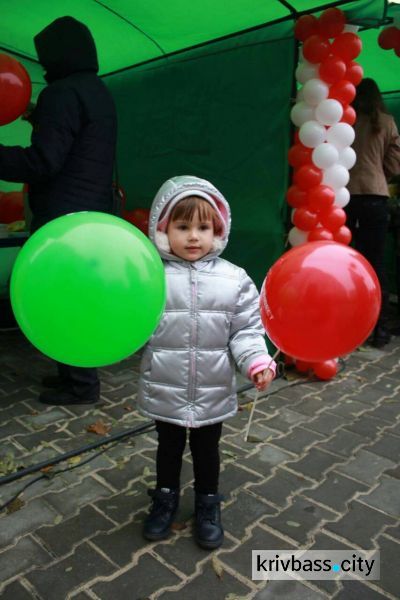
(349, 115)
(331, 22)
(347, 45)
(319, 301)
(305, 26)
(15, 89)
(138, 217)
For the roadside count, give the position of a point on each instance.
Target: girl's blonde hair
(186, 209)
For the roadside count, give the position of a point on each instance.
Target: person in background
(377, 146)
(69, 164)
(187, 380)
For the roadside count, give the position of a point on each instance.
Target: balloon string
(246, 435)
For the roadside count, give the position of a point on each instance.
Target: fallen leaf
(217, 566)
(128, 408)
(74, 460)
(229, 453)
(292, 524)
(178, 526)
(47, 469)
(246, 406)
(99, 428)
(146, 472)
(57, 520)
(15, 505)
(68, 569)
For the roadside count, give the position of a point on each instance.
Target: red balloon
(354, 73)
(333, 218)
(138, 217)
(299, 155)
(319, 301)
(11, 207)
(305, 26)
(389, 38)
(316, 49)
(320, 198)
(296, 137)
(296, 197)
(343, 90)
(331, 22)
(332, 69)
(307, 177)
(15, 89)
(302, 366)
(320, 234)
(342, 235)
(326, 370)
(347, 45)
(304, 219)
(349, 115)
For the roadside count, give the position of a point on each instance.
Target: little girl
(211, 321)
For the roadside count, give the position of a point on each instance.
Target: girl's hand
(262, 379)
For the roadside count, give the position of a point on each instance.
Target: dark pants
(81, 381)
(367, 218)
(203, 443)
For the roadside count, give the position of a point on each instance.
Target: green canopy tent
(201, 88)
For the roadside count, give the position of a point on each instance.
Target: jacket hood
(64, 47)
(176, 189)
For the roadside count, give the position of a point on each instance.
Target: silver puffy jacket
(211, 321)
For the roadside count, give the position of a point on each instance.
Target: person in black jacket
(69, 164)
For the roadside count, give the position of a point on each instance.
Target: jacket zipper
(193, 278)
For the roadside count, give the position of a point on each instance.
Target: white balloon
(340, 135)
(325, 155)
(306, 71)
(312, 133)
(342, 197)
(336, 177)
(301, 113)
(297, 236)
(347, 157)
(329, 112)
(315, 90)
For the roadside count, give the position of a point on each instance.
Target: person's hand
(262, 379)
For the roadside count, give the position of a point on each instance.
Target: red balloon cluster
(15, 89)
(139, 217)
(389, 39)
(323, 370)
(319, 301)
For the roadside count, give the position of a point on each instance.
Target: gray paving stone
(385, 497)
(147, 576)
(368, 396)
(30, 441)
(388, 446)
(325, 542)
(12, 429)
(390, 573)
(366, 426)
(119, 476)
(122, 506)
(279, 488)
(15, 591)
(315, 463)
(233, 478)
(26, 554)
(360, 525)
(44, 418)
(183, 553)
(242, 512)
(62, 537)
(54, 582)
(365, 466)
(240, 558)
(285, 419)
(310, 406)
(264, 459)
(389, 409)
(325, 423)
(87, 491)
(335, 491)
(290, 590)
(299, 519)
(342, 443)
(24, 521)
(120, 543)
(356, 590)
(298, 440)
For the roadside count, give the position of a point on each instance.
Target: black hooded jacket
(69, 164)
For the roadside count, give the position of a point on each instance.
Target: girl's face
(191, 240)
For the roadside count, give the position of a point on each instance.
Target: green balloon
(88, 289)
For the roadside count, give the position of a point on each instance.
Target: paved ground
(321, 472)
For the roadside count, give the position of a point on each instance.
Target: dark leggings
(367, 218)
(203, 443)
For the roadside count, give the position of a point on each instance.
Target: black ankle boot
(208, 527)
(157, 524)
